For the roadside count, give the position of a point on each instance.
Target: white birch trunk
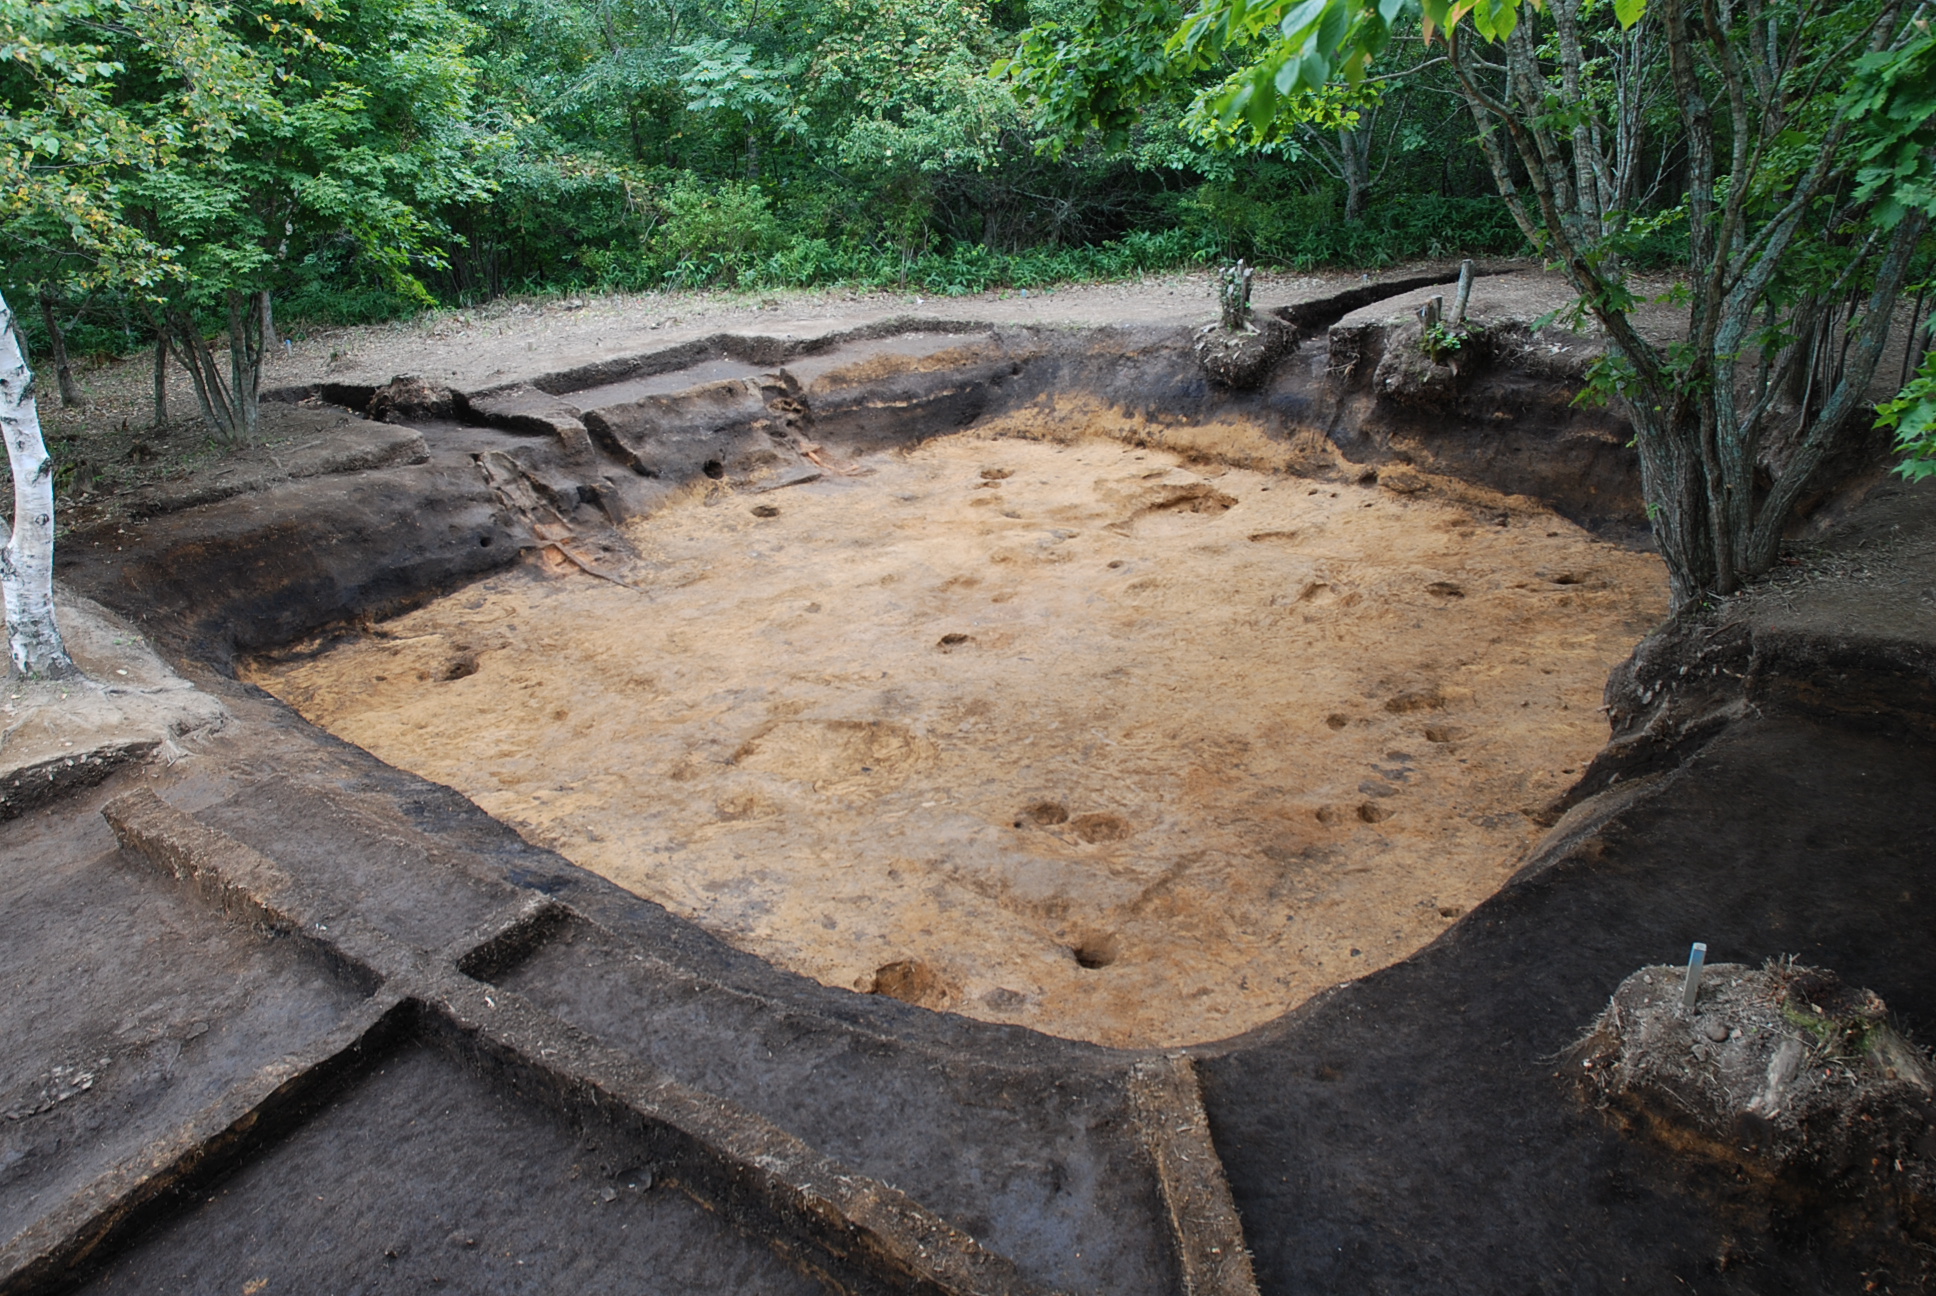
(27, 559)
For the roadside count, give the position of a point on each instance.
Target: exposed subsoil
(341, 1056)
(1065, 735)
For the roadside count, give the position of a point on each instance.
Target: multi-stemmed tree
(64, 143)
(359, 122)
(188, 154)
(1801, 146)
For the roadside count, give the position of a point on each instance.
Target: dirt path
(520, 337)
(1067, 735)
(109, 448)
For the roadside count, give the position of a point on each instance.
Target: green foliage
(187, 150)
(1893, 101)
(364, 158)
(1912, 416)
(1306, 232)
(711, 231)
(1294, 50)
(1102, 72)
(966, 268)
(697, 254)
(1443, 342)
(360, 130)
(720, 76)
(1099, 72)
(70, 136)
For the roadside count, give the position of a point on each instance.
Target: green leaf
(1303, 16)
(1260, 105)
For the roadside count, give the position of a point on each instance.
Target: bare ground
(112, 448)
(1056, 732)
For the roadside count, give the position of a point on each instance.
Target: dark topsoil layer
(401, 1049)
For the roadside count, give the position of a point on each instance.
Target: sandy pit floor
(1072, 736)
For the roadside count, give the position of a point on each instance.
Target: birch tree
(68, 141)
(27, 560)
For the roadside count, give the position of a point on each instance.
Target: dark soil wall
(271, 567)
(1510, 419)
(265, 569)
(1410, 1132)
(1771, 790)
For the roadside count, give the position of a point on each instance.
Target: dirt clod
(1425, 699)
(1044, 814)
(1094, 828)
(1787, 1077)
(407, 397)
(1243, 358)
(911, 981)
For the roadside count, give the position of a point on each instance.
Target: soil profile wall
(283, 563)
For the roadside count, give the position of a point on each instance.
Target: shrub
(711, 230)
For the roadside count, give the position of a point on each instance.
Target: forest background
(188, 169)
(390, 155)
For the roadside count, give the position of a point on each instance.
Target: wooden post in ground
(1464, 294)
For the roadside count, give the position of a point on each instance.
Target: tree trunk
(230, 405)
(161, 378)
(1760, 541)
(1803, 326)
(245, 365)
(269, 339)
(71, 397)
(191, 350)
(1354, 156)
(27, 561)
(1675, 488)
(1464, 295)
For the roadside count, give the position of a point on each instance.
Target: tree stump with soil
(1239, 350)
(1786, 1077)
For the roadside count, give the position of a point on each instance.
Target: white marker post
(1696, 958)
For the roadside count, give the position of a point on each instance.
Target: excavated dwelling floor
(284, 1017)
(1058, 733)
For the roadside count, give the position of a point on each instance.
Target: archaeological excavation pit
(1059, 732)
(1016, 673)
